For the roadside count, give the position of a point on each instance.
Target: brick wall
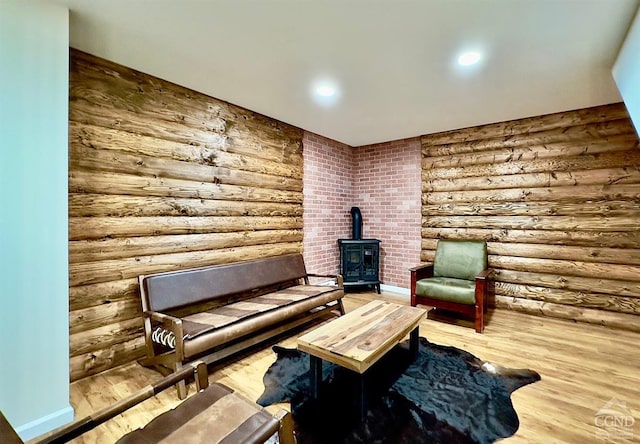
(383, 180)
(387, 179)
(328, 197)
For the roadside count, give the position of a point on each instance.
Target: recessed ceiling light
(469, 58)
(325, 90)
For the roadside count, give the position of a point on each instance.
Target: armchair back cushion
(460, 259)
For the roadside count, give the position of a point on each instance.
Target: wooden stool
(215, 415)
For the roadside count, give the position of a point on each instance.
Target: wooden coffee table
(358, 339)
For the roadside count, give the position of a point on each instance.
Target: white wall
(626, 72)
(34, 314)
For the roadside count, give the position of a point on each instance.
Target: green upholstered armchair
(458, 280)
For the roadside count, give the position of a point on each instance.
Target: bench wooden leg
(341, 307)
(181, 386)
(285, 433)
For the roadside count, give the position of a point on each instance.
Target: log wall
(557, 198)
(164, 178)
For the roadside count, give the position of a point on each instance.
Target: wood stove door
(370, 262)
(351, 266)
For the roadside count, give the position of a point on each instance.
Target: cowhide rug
(445, 396)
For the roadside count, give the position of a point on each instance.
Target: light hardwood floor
(583, 367)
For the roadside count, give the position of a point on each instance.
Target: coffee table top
(360, 338)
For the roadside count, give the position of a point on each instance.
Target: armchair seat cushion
(456, 290)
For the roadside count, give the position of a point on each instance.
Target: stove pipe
(356, 220)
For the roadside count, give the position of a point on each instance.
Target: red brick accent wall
(328, 197)
(383, 180)
(387, 181)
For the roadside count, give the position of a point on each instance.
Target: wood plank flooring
(583, 366)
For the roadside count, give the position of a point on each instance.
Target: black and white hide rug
(445, 395)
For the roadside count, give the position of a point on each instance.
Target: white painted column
(626, 72)
(34, 295)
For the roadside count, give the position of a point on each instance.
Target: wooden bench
(212, 312)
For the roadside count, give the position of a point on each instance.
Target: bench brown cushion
(253, 324)
(199, 323)
(215, 415)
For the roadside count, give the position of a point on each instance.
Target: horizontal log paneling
(607, 159)
(593, 316)
(177, 98)
(582, 238)
(106, 358)
(99, 316)
(115, 97)
(587, 208)
(106, 336)
(123, 163)
(562, 267)
(83, 205)
(164, 178)
(561, 281)
(609, 130)
(615, 287)
(564, 193)
(110, 270)
(567, 267)
(551, 179)
(620, 143)
(552, 223)
(578, 298)
(104, 227)
(104, 293)
(100, 138)
(626, 256)
(557, 198)
(511, 128)
(97, 250)
(112, 183)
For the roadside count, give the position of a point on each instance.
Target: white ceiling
(394, 60)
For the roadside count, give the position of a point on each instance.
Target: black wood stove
(359, 258)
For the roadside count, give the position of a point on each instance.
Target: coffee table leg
(316, 375)
(413, 343)
(361, 400)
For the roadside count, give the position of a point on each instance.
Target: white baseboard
(45, 424)
(399, 290)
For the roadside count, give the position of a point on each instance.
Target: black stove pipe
(356, 220)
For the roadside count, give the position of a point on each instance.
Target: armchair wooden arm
(485, 274)
(417, 273)
(422, 271)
